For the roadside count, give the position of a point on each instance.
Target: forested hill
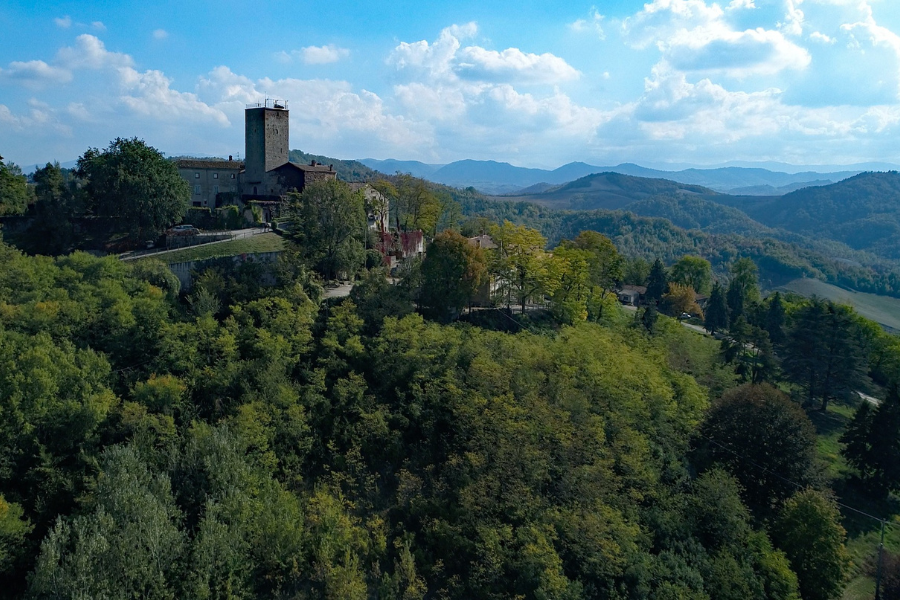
(348, 170)
(608, 191)
(862, 211)
(779, 261)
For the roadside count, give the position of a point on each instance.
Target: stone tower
(265, 139)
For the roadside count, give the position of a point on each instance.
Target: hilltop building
(266, 173)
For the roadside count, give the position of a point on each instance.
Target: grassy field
(862, 532)
(266, 242)
(881, 309)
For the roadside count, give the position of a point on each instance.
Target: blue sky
(805, 82)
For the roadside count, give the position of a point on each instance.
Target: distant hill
(391, 166)
(862, 212)
(609, 191)
(768, 190)
(347, 170)
(495, 178)
(780, 261)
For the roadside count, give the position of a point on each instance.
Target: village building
(631, 295)
(266, 173)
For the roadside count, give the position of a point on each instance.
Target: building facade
(266, 174)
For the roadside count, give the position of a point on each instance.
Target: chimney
(229, 157)
(312, 163)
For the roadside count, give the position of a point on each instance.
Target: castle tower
(265, 139)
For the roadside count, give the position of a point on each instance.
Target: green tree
(568, 283)
(135, 183)
(657, 282)
(743, 289)
(14, 532)
(680, 299)
(692, 271)
(520, 262)
(329, 227)
(809, 532)
(872, 443)
(14, 192)
(127, 546)
(415, 206)
(716, 318)
(822, 353)
(452, 272)
(775, 319)
(762, 438)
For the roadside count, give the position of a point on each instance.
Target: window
(215, 175)
(196, 203)
(196, 189)
(196, 175)
(216, 189)
(232, 175)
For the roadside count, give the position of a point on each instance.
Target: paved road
(234, 235)
(339, 291)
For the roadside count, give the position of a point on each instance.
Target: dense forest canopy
(258, 444)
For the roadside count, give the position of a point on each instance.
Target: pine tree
(775, 319)
(872, 443)
(855, 440)
(658, 282)
(716, 310)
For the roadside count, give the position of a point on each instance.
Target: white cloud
(513, 65)
(694, 36)
(446, 59)
(320, 55)
(793, 18)
(91, 53)
(594, 23)
(160, 34)
(35, 74)
(741, 4)
(98, 25)
(63, 22)
(149, 93)
(817, 36)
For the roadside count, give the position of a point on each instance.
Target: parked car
(183, 230)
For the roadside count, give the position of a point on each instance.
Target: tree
(128, 546)
(329, 227)
(809, 532)
(657, 282)
(452, 272)
(606, 268)
(716, 318)
(416, 204)
(762, 438)
(14, 192)
(679, 300)
(568, 283)
(636, 271)
(14, 531)
(872, 443)
(743, 289)
(775, 319)
(135, 183)
(822, 353)
(692, 271)
(520, 263)
(56, 205)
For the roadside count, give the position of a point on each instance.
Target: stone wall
(185, 270)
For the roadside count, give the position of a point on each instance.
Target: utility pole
(878, 571)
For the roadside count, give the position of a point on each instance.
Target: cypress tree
(716, 310)
(658, 282)
(775, 319)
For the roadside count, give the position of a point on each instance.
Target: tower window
(196, 175)
(196, 189)
(215, 175)
(232, 175)
(216, 189)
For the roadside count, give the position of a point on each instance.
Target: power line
(785, 479)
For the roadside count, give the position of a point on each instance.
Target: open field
(881, 309)
(265, 242)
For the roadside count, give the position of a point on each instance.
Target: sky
(538, 84)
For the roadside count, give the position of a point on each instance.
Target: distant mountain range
(498, 178)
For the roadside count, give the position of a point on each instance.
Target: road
(234, 235)
(341, 290)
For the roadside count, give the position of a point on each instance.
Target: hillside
(779, 260)
(608, 191)
(348, 170)
(881, 309)
(862, 212)
(492, 177)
